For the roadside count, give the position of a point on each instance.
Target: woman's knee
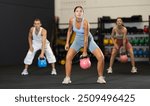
(99, 56)
(68, 57)
(114, 52)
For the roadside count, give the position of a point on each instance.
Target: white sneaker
(134, 70)
(109, 70)
(24, 72)
(53, 72)
(101, 80)
(66, 80)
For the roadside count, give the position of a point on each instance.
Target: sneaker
(101, 80)
(66, 80)
(54, 72)
(24, 72)
(109, 70)
(134, 70)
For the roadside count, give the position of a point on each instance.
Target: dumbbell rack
(149, 37)
(130, 36)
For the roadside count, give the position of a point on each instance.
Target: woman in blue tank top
(83, 39)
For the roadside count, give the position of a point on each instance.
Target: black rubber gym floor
(121, 78)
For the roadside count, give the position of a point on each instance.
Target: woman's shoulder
(115, 28)
(124, 28)
(85, 21)
(71, 18)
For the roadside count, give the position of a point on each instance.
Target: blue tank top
(80, 31)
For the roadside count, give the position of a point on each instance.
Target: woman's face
(119, 22)
(78, 13)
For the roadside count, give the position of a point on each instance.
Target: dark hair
(78, 7)
(37, 19)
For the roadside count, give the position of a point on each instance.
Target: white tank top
(38, 37)
(118, 36)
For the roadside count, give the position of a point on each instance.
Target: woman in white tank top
(119, 38)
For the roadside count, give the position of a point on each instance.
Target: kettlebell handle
(122, 51)
(82, 57)
(41, 58)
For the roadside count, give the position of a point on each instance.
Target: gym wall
(98, 8)
(15, 21)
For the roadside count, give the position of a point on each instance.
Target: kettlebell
(110, 42)
(62, 62)
(136, 41)
(106, 41)
(85, 62)
(135, 52)
(123, 56)
(146, 41)
(142, 41)
(146, 53)
(42, 62)
(145, 30)
(131, 41)
(140, 52)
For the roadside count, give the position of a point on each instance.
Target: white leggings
(48, 53)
